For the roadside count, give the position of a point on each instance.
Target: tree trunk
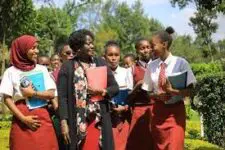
(211, 54)
(2, 71)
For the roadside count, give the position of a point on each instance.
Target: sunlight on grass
(4, 139)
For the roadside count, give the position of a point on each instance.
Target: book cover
(178, 81)
(97, 79)
(121, 97)
(38, 84)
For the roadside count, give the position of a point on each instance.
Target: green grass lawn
(4, 139)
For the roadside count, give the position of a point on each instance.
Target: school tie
(162, 77)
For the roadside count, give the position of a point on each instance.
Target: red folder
(97, 79)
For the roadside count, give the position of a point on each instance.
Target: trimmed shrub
(6, 117)
(210, 102)
(203, 68)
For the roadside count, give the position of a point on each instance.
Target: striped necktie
(162, 77)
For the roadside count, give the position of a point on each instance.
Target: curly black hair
(77, 39)
(139, 40)
(61, 47)
(111, 43)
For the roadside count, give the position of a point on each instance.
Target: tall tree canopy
(203, 22)
(125, 24)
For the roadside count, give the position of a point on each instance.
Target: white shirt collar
(167, 61)
(117, 69)
(144, 64)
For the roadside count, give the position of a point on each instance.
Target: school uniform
(120, 121)
(140, 128)
(21, 136)
(168, 120)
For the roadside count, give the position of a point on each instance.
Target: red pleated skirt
(140, 136)
(91, 141)
(120, 131)
(23, 138)
(168, 126)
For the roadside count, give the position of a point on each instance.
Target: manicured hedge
(206, 68)
(210, 102)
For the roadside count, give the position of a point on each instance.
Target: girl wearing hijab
(31, 127)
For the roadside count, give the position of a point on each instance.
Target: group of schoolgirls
(141, 115)
(146, 120)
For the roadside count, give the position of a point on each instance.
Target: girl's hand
(120, 108)
(168, 87)
(32, 122)
(65, 131)
(101, 92)
(28, 91)
(162, 96)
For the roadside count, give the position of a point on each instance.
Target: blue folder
(38, 84)
(178, 81)
(121, 97)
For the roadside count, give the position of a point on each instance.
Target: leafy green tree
(218, 5)
(55, 24)
(52, 24)
(203, 22)
(183, 46)
(204, 26)
(75, 8)
(221, 45)
(102, 36)
(16, 18)
(129, 23)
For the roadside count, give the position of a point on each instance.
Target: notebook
(121, 97)
(97, 79)
(178, 81)
(38, 84)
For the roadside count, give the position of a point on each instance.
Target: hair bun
(170, 30)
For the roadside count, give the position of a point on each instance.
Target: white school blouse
(10, 84)
(122, 78)
(174, 64)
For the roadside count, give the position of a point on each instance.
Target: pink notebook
(97, 79)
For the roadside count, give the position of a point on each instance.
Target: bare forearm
(47, 95)
(183, 92)
(55, 104)
(16, 112)
(62, 122)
